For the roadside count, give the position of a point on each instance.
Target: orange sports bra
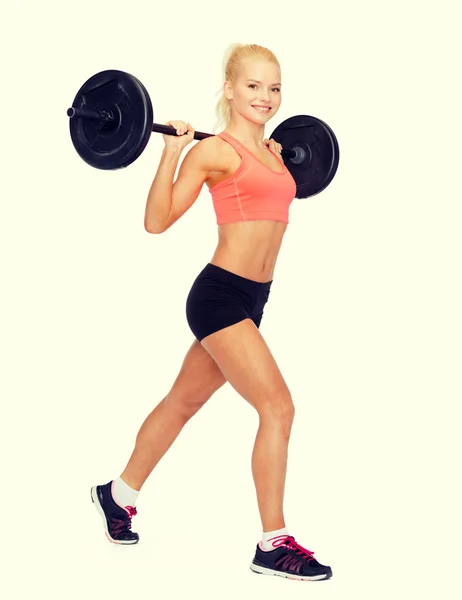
(254, 192)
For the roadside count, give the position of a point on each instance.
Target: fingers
(181, 127)
(275, 146)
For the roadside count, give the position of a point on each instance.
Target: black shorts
(219, 298)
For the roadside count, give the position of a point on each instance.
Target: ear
(227, 90)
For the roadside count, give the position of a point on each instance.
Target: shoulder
(212, 152)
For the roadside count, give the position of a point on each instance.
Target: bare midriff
(249, 248)
(246, 248)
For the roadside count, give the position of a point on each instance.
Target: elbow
(152, 225)
(150, 228)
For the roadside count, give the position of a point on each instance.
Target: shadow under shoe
(117, 520)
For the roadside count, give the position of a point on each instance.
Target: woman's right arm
(168, 201)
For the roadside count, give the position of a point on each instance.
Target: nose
(264, 95)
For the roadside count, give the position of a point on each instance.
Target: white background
(364, 316)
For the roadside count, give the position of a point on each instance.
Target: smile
(262, 109)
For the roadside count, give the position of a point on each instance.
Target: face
(256, 94)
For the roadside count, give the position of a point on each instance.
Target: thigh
(199, 378)
(247, 363)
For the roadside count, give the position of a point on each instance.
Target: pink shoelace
(290, 543)
(118, 525)
(131, 513)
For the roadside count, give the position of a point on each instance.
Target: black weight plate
(118, 144)
(318, 169)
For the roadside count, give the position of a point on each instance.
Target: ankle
(123, 494)
(275, 525)
(270, 539)
(132, 482)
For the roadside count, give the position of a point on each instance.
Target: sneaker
(117, 519)
(289, 560)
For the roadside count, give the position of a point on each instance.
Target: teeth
(260, 109)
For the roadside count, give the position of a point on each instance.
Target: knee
(287, 416)
(280, 410)
(185, 407)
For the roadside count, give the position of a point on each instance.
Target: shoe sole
(99, 508)
(265, 571)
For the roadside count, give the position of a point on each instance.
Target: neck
(250, 134)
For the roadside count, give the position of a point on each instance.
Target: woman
(251, 191)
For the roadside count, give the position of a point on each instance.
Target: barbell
(111, 120)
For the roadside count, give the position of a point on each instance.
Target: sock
(270, 538)
(123, 494)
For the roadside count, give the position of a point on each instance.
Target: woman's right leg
(199, 378)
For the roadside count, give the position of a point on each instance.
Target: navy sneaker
(117, 519)
(289, 560)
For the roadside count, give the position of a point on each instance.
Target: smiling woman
(234, 56)
(252, 191)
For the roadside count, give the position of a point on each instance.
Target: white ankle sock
(123, 494)
(271, 537)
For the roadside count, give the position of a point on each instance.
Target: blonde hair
(232, 59)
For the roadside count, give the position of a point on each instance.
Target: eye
(254, 85)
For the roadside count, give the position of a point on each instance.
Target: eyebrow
(256, 81)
